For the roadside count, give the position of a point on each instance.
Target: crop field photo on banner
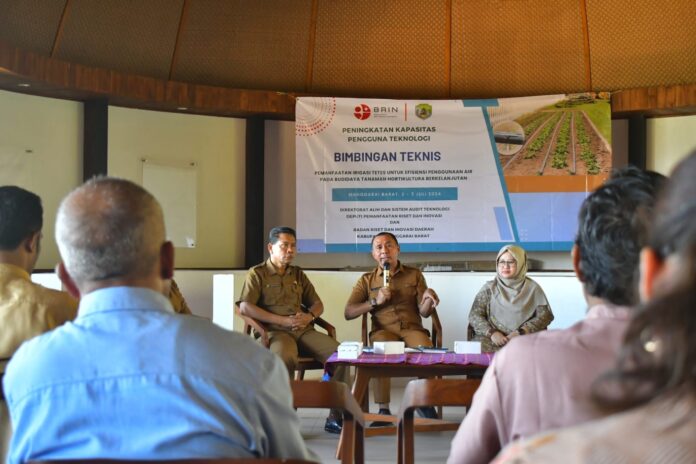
(447, 175)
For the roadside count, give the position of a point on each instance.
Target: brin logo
(362, 112)
(424, 111)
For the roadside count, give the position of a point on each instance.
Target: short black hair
(21, 215)
(273, 235)
(384, 233)
(674, 227)
(657, 180)
(612, 229)
(668, 319)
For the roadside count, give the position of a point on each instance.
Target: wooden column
(95, 138)
(637, 141)
(255, 236)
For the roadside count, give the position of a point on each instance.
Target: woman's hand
(498, 338)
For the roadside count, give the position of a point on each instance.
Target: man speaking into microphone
(397, 297)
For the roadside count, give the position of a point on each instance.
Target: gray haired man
(130, 379)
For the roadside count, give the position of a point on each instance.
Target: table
(370, 365)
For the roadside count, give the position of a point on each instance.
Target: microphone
(385, 267)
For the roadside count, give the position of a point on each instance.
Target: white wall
(455, 289)
(216, 145)
(41, 151)
(48, 280)
(668, 141)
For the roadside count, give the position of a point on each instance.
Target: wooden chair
(435, 336)
(336, 395)
(304, 363)
(175, 461)
(435, 333)
(470, 332)
(430, 392)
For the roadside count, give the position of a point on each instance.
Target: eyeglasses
(507, 263)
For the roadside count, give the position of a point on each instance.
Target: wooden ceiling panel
(655, 47)
(30, 24)
(512, 48)
(219, 56)
(244, 44)
(382, 48)
(133, 36)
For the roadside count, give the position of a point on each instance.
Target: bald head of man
(110, 232)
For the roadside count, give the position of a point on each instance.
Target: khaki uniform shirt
(28, 309)
(177, 300)
(278, 294)
(407, 286)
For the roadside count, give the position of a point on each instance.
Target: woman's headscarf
(514, 300)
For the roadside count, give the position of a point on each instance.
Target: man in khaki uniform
(275, 293)
(396, 308)
(26, 309)
(176, 298)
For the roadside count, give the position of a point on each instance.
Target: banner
(447, 175)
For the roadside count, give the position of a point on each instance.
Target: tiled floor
(430, 448)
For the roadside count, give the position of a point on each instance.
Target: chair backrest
(429, 392)
(470, 332)
(435, 333)
(439, 392)
(258, 329)
(251, 325)
(318, 394)
(335, 395)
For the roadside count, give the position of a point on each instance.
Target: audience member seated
(176, 298)
(26, 309)
(512, 304)
(542, 381)
(274, 293)
(129, 378)
(396, 308)
(654, 381)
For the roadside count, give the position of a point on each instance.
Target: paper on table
(433, 349)
(426, 349)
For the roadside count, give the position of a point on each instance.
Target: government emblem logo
(424, 110)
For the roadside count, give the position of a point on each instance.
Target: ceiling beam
(586, 45)
(56, 78)
(60, 79)
(175, 54)
(59, 31)
(673, 100)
